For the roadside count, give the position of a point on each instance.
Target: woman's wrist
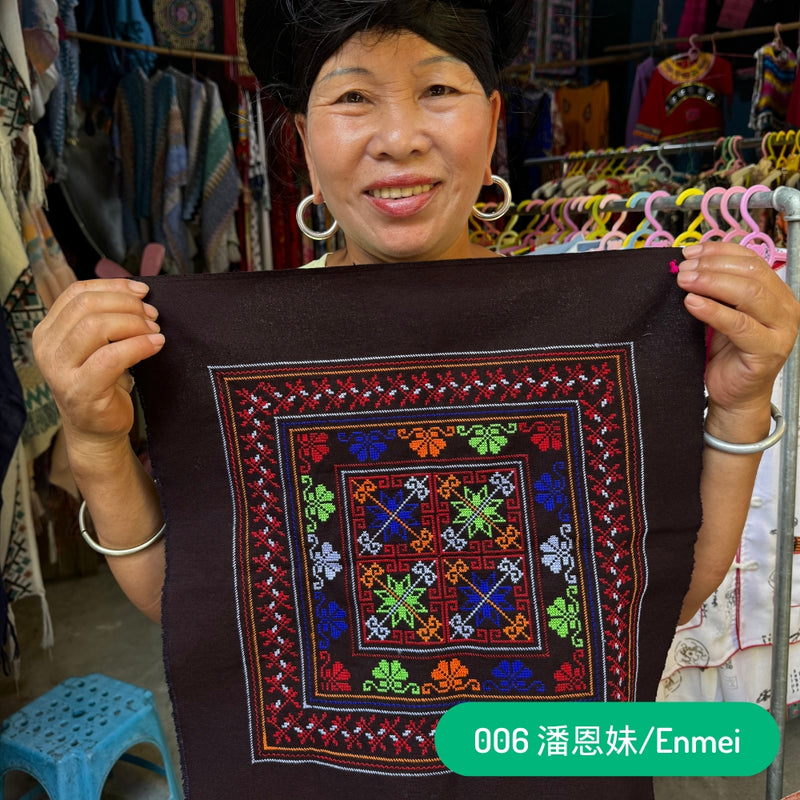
(741, 425)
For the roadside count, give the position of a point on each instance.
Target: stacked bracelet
(755, 447)
(107, 551)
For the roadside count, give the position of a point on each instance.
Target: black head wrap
(288, 41)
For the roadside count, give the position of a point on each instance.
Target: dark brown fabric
(512, 447)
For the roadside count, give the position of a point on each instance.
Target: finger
(721, 249)
(79, 289)
(108, 364)
(74, 306)
(93, 331)
(742, 293)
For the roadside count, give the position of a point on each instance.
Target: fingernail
(154, 326)
(689, 265)
(692, 250)
(150, 311)
(156, 338)
(687, 277)
(137, 287)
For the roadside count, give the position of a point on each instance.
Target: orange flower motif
(451, 676)
(426, 441)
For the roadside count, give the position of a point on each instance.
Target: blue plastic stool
(69, 738)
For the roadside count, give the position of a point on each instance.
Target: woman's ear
(301, 124)
(495, 104)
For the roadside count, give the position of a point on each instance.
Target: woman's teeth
(396, 192)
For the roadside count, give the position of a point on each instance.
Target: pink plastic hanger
(659, 237)
(714, 232)
(735, 229)
(757, 241)
(614, 239)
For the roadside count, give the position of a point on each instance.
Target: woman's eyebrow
(342, 71)
(339, 72)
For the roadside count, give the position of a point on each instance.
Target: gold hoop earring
(317, 236)
(502, 208)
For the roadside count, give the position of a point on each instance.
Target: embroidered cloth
(392, 488)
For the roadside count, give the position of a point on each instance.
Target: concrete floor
(97, 630)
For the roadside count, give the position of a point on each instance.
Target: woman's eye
(351, 97)
(439, 90)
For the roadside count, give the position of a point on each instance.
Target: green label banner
(530, 738)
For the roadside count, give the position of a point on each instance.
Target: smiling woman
(399, 156)
(397, 106)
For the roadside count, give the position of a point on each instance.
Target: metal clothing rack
(640, 151)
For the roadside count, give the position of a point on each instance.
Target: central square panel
(441, 557)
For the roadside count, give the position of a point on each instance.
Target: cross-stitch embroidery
(413, 532)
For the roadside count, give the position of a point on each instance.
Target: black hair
(288, 41)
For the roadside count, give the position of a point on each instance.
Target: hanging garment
(24, 310)
(17, 172)
(169, 159)
(239, 72)
(685, 99)
(131, 143)
(693, 18)
(793, 110)
(775, 75)
(221, 186)
(552, 36)
(19, 557)
(641, 83)
(307, 479)
(62, 115)
(192, 102)
(734, 14)
(584, 115)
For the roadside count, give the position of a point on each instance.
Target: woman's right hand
(94, 332)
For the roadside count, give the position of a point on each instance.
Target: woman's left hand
(754, 317)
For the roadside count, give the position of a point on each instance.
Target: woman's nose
(400, 132)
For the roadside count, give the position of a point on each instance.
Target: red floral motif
(312, 446)
(333, 677)
(571, 677)
(545, 435)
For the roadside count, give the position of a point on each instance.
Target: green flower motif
(565, 618)
(390, 677)
(487, 439)
(317, 505)
(401, 600)
(478, 511)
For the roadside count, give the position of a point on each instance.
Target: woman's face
(398, 139)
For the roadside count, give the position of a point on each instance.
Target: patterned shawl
(392, 488)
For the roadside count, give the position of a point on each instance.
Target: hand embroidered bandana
(392, 488)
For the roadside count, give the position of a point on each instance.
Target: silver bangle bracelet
(107, 551)
(755, 447)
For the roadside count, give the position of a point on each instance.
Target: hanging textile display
(368, 527)
(685, 99)
(184, 24)
(776, 66)
(234, 45)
